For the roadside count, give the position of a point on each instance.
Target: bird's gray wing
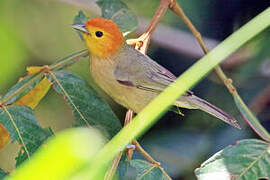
(142, 72)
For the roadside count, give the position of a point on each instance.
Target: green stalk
(159, 105)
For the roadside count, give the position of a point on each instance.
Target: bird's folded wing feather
(142, 72)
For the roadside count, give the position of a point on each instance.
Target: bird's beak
(81, 28)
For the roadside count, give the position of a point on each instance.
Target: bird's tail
(195, 102)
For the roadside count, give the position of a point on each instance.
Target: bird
(131, 78)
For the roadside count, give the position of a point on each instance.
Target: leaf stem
(22, 88)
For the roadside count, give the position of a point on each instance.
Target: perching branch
(142, 44)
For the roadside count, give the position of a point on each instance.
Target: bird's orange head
(102, 36)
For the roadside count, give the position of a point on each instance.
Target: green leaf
(248, 160)
(146, 170)
(118, 11)
(32, 80)
(80, 18)
(87, 107)
(23, 128)
(2, 173)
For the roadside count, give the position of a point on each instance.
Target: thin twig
(110, 173)
(176, 40)
(142, 44)
(165, 173)
(144, 153)
(129, 117)
(143, 41)
(176, 8)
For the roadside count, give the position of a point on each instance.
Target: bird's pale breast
(133, 98)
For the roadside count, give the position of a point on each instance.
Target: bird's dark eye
(99, 33)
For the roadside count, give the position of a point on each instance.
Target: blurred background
(38, 32)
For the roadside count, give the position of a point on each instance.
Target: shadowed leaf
(80, 18)
(117, 11)
(87, 107)
(247, 160)
(23, 128)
